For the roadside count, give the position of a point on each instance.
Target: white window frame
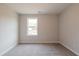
(36, 25)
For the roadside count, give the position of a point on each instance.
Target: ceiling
(38, 8)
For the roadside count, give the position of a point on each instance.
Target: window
(32, 26)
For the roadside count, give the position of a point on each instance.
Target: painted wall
(8, 29)
(47, 29)
(69, 28)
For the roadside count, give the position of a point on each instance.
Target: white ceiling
(38, 8)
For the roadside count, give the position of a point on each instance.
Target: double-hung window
(32, 24)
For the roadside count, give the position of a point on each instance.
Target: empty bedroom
(39, 29)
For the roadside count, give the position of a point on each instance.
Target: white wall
(69, 28)
(8, 29)
(47, 29)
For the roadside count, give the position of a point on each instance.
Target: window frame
(36, 26)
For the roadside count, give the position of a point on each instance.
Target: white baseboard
(68, 48)
(39, 42)
(11, 47)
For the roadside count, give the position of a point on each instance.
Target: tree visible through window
(32, 26)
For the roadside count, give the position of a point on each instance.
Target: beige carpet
(39, 50)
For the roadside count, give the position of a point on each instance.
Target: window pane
(32, 26)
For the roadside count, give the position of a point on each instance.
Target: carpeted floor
(39, 50)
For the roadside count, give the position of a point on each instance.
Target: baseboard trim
(11, 47)
(69, 48)
(37, 42)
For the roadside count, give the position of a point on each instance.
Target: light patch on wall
(32, 24)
